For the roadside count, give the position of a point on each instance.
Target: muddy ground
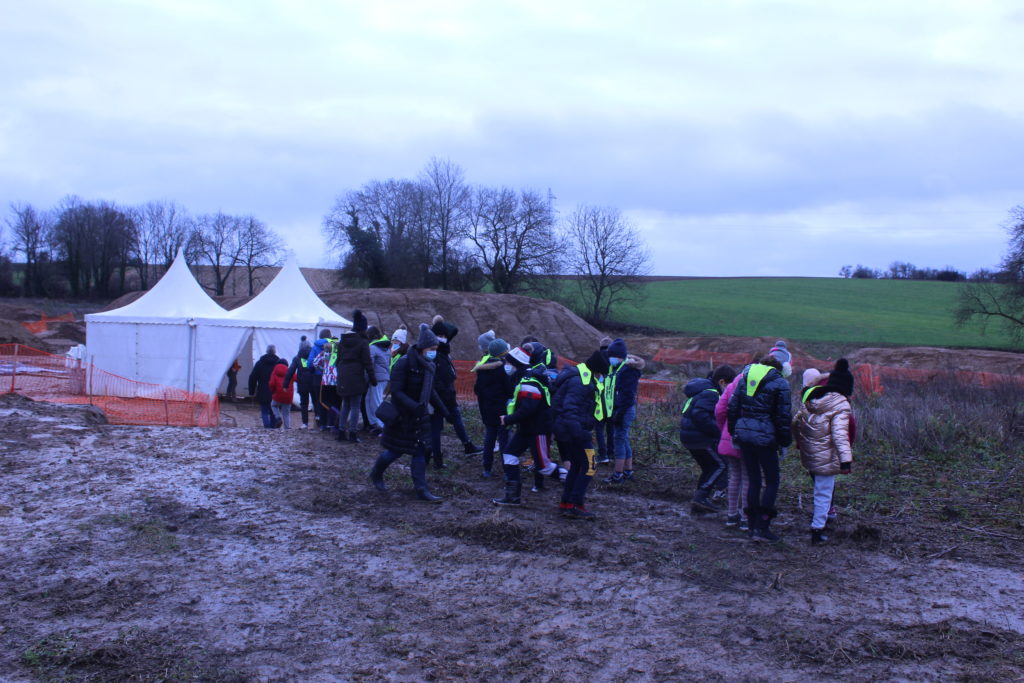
(237, 554)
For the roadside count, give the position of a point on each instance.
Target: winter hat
(782, 354)
(305, 347)
(426, 338)
(373, 332)
(485, 339)
(401, 335)
(605, 342)
(359, 321)
(538, 354)
(597, 363)
(811, 377)
(617, 349)
(519, 357)
(841, 379)
(497, 348)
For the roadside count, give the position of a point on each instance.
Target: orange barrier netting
(869, 377)
(44, 376)
(649, 391)
(44, 320)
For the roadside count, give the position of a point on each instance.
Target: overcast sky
(742, 138)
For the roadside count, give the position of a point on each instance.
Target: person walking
(578, 407)
(355, 375)
(821, 430)
(621, 388)
(282, 393)
(759, 417)
(445, 386)
(232, 374)
(493, 389)
(322, 358)
(413, 397)
(259, 385)
(737, 479)
(301, 373)
(380, 358)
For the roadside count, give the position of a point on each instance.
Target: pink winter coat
(725, 446)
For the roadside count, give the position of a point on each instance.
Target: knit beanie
(359, 321)
(305, 347)
(597, 363)
(497, 348)
(401, 335)
(617, 349)
(485, 339)
(781, 352)
(426, 338)
(605, 342)
(519, 357)
(841, 379)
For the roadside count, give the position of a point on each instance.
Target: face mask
(614, 361)
(509, 370)
(430, 355)
(395, 347)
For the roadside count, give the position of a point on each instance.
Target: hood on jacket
(826, 402)
(636, 362)
(695, 386)
(280, 370)
(351, 339)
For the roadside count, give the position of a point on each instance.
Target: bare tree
(92, 242)
(607, 256)
(448, 206)
(30, 233)
(260, 247)
(515, 237)
(216, 241)
(161, 228)
(1002, 300)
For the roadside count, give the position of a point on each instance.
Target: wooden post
(14, 367)
(167, 411)
(92, 366)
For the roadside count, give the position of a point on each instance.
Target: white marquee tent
(176, 335)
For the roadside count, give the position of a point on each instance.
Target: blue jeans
(267, 413)
(623, 448)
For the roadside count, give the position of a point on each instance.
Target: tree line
(439, 231)
(100, 250)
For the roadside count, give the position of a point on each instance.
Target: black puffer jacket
(355, 369)
(761, 420)
(573, 405)
(412, 388)
(627, 384)
(444, 382)
(697, 427)
(531, 411)
(303, 373)
(259, 378)
(493, 389)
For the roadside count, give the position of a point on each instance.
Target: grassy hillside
(810, 309)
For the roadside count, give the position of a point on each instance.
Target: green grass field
(830, 310)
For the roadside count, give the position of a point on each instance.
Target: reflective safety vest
(807, 394)
(686, 406)
(304, 362)
(585, 376)
(756, 375)
(532, 381)
(333, 344)
(384, 338)
(394, 359)
(609, 387)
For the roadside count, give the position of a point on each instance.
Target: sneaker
(717, 496)
(627, 475)
(549, 469)
(818, 537)
(732, 520)
(603, 461)
(765, 534)
(614, 478)
(744, 524)
(472, 449)
(303, 426)
(832, 515)
(534, 489)
(565, 509)
(562, 474)
(580, 512)
(487, 475)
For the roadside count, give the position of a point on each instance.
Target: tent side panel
(216, 348)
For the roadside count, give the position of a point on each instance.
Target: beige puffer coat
(822, 433)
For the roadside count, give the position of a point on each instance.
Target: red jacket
(279, 391)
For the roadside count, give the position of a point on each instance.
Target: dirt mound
(18, 312)
(13, 332)
(932, 358)
(512, 317)
(648, 346)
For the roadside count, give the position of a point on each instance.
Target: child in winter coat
(821, 430)
(530, 412)
(493, 389)
(282, 393)
(306, 380)
(621, 388)
(700, 434)
(380, 359)
(738, 480)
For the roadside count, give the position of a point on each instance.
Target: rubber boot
(763, 528)
(702, 503)
(377, 472)
(427, 496)
(354, 437)
(512, 491)
(818, 536)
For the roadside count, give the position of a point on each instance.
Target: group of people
(736, 425)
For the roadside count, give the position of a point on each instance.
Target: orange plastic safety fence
(36, 327)
(46, 377)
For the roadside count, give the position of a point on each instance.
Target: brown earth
(12, 332)
(238, 554)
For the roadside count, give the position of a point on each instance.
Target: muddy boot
(763, 529)
(342, 435)
(427, 496)
(581, 512)
(818, 537)
(377, 473)
(512, 491)
(354, 437)
(702, 503)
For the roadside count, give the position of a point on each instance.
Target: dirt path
(243, 554)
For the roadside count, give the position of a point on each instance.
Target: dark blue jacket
(573, 405)
(761, 420)
(627, 381)
(412, 388)
(697, 427)
(493, 389)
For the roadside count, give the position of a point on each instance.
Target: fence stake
(167, 411)
(14, 367)
(92, 366)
